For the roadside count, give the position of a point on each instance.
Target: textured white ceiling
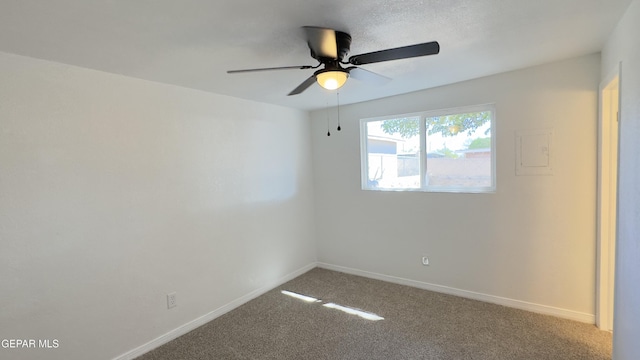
(192, 43)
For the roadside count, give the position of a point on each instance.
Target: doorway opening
(607, 199)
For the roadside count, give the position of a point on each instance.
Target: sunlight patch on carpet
(300, 296)
(360, 313)
(346, 309)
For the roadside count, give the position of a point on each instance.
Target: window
(442, 151)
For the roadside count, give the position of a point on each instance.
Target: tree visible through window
(448, 150)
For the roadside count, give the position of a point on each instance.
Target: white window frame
(423, 115)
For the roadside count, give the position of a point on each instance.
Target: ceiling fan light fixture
(332, 79)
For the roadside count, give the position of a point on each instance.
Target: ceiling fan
(330, 47)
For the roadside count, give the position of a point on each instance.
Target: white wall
(623, 46)
(532, 241)
(116, 191)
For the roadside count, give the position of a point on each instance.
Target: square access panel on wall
(534, 152)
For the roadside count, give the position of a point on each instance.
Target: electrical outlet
(171, 300)
(425, 261)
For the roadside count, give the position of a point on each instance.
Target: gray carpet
(417, 324)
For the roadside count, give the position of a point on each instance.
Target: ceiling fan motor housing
(343, 46)
(343, 41)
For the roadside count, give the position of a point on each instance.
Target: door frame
(607, 197)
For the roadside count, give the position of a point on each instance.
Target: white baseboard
(175, 333)
(518, 304)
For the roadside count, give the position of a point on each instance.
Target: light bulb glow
(331, 84)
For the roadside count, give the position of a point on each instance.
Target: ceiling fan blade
(302, 87)
(271, 68)
(430, 48)
(367, 76)
(322, 42)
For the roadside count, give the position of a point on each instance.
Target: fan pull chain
(327, 110)
(338, 95)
